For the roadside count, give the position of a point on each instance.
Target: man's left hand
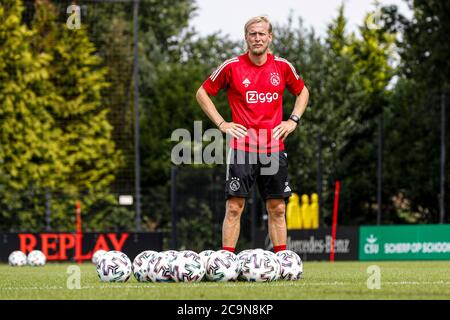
(284, 129)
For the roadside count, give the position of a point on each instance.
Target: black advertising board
(315, 244)
(59, 246)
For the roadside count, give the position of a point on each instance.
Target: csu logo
(255, 97)
(371, 247)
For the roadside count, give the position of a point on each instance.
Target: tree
(59, 145)
(89, 159)
(413, 123)
(347, 76)
(28, 146)
(372, 73)
(170, 104)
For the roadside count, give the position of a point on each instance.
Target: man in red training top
(255, 82)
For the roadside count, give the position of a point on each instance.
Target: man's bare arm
(205, 102)
(301, 102)
(286, 127)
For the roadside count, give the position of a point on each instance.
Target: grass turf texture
(321, 280)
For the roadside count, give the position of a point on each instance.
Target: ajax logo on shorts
(234, 184)
(255, 96)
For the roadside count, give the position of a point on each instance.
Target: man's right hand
(234, 129)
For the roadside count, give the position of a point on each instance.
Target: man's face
(258, 38)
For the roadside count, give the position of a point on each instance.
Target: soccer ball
(159, 267)
(187, 267)
(277, 262)
(222, 266)
(205, 254)
(171, 254)
(140, 265)
(242, 256)
(291, 265)
(259, 266)
(17, 259)
(36, 258)
(96, 256)
(114, 266)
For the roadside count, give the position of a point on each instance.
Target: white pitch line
(131, 286)
(247, 284)
(83, 287)
(415, 282)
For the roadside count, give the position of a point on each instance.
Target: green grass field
(321, 280)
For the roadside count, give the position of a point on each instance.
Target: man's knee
(235, 206)
(276, 207)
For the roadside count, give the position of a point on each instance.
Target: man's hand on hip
(282, 130)
(235, 129)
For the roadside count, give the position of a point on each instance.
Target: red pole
(79, 232)
(335, 215)
(78, 213)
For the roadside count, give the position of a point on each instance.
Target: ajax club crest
(275, 78)
(234, 184)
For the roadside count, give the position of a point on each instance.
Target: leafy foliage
(67, 114)
(56, 137)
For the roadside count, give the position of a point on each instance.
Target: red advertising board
(78, 247)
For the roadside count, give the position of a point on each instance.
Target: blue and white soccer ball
(17, 259)
(259, 266)
(114, 266)
(291, 265)
(187, 267)
(205, 254)
(96, 256)
(140, 265)
(222, 266)
(36, 258)
(159, 266)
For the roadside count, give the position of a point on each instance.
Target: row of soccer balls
(35, 258)
(189, 266)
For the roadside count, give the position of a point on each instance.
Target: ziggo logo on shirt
(255, 97)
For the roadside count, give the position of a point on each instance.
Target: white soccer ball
(277, 263)
(171, 254)
(259, 266)
(140, 265)
(17, 259)
(36, 258)
(159, 267)
(242, 256)
(187, 267)
(114, 266)
(222, 266)
(205, 254)
(291, 265)
(96, 256)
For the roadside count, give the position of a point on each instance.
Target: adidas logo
(287, 189)
(246, 82)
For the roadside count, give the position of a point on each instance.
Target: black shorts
(270, 171)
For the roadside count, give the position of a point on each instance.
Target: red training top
(255, 94)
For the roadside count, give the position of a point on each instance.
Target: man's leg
(277, 223)
(275, 189)
(232, 222)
